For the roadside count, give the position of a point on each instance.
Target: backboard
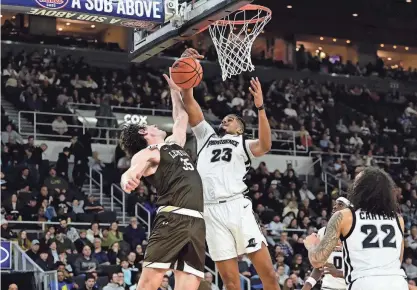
(190, 19)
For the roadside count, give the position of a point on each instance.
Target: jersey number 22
(372, 240)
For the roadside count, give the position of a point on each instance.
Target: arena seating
(344, 127)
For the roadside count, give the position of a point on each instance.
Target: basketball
(187, 72)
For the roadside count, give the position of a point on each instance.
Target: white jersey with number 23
(231, 227)
(222, 162)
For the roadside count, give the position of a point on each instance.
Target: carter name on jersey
(373, 217)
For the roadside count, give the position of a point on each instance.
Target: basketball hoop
(233, 37)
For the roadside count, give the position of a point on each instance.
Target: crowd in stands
(10, 32)
(305, 60)
(45, 83)
(348, 127)
(312, 61)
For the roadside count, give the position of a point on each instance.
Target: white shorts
(231, 229)
(379, 283)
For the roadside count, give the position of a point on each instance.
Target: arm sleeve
(202, 133)
(247, 144)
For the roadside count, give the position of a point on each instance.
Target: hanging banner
(128, 13)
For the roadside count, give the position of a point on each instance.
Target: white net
(234, 35)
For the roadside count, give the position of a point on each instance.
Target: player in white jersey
(223, 160)
(371, 234)
(333, 270)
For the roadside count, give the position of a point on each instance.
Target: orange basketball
(187, 72)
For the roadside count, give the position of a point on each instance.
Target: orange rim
(248, 7)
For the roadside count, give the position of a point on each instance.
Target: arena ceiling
(378, 21)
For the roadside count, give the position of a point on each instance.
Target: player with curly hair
(177, 240)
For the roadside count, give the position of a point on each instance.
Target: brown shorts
(177, 242)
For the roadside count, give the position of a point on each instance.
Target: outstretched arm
(194, 111)
(319, 251)
(195, 114)
(263, 144)
(179, 129)
(140, 163)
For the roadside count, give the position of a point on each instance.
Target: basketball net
(234, 37)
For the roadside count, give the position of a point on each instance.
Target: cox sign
(5, 255)
(136, 119)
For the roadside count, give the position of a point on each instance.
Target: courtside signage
(5, 255)
(136, 119)
(128, 13)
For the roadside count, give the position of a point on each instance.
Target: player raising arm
(223, 160)
(179, 222)
(145, 158)
(371, 234)
(258, 147)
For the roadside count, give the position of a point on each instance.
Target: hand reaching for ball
(173, 86)
(191, 52)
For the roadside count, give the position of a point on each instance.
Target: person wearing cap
(33, 252)
(30, 210)
(333, 270)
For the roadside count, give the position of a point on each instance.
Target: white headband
(344, 200)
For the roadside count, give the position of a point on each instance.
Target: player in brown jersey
(177, 240)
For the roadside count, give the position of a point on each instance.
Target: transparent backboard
(187, 18)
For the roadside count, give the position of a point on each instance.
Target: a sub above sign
(116, 12)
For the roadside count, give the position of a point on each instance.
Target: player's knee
(232, 282)
(232, 285)
(269, 279)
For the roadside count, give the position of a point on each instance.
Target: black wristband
(261, 107)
